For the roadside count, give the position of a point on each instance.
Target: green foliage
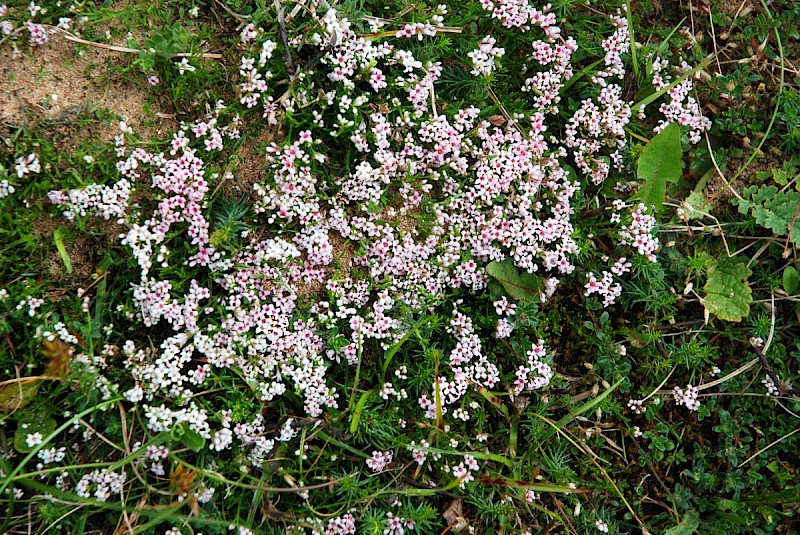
(169, 41)
(524, 286)
(729, 467)
(231, 222)
(659, 164)
(791, 280)
(789, 115)
(772, 209)
(688, 525)
(727, 293)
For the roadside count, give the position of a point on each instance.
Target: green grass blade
(589, 405)
(58, 237)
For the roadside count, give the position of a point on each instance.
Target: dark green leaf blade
(791, 280)
(524, 286)
(659, 163)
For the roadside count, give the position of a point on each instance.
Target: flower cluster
(601, 124)
(417, 29)
(27, 164)
(772, 388)
(102, 482)
(687, 397)
(341, 525)
(535, 374)
(379, 461)
(483, 57)
(31, 20)
(520, 14)
(464, 470)
(105, 201)
(682, 108)
(639, 233)
(637, 406)
(504, 325)
(31, 303)
(349, 259)
(51, 455)
(397, 525)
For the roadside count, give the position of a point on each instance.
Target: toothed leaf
(727, 292)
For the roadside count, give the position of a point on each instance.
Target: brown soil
(718, 192)
(251, 159)
(55, 80)
(81, 249)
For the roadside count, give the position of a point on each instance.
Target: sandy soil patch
(56, 79)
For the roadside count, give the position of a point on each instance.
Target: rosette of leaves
(230, 222)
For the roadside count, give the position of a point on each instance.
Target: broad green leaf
(193, 440)
(44, 427)
(772, 209)
(688, 525)
(791, 281)
(659, 163)
(524, 286)
(727, 292)
(636, 338)
(15, 395)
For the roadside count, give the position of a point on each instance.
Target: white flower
(27, 164)
(33, 439)
(184, 66)
(6, 189)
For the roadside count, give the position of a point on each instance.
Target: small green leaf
(58, 236)
(15, 395)
(688, 525)
(359, 411)
(791, 281)
(193, 440)
(524, 286)
(659, 163)
(696, 205)
(44, 427)
(727, 292)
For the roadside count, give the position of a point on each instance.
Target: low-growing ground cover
(487, 267)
